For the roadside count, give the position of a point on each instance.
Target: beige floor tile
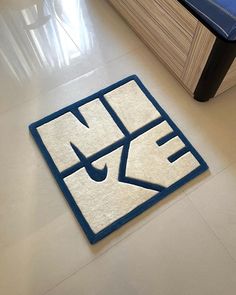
(216, 202)
(173, 254)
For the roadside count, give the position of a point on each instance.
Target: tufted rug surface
(114, 154)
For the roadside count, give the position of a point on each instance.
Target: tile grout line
(114, 245)
(212, 230)
(61, 25)
(101, 66)
(76, 45)
(209, 178)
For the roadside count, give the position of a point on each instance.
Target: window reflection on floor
(34, 42)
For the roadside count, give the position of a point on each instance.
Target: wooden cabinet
(182, 42)
(159, 24)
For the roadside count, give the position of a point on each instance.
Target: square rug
(114, 154)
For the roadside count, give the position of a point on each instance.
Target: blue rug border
(92, 237)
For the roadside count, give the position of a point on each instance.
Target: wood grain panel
(165, 26)
(229, 80)
(175, 36)
(201, 47)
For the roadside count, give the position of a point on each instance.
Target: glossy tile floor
(53, 53)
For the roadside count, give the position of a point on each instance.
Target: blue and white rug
(114, 154)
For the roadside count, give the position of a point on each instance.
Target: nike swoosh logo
(94, 173)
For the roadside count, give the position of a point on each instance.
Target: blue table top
(219, 15)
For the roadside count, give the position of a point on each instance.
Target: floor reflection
(34, 42)
(76, 19)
